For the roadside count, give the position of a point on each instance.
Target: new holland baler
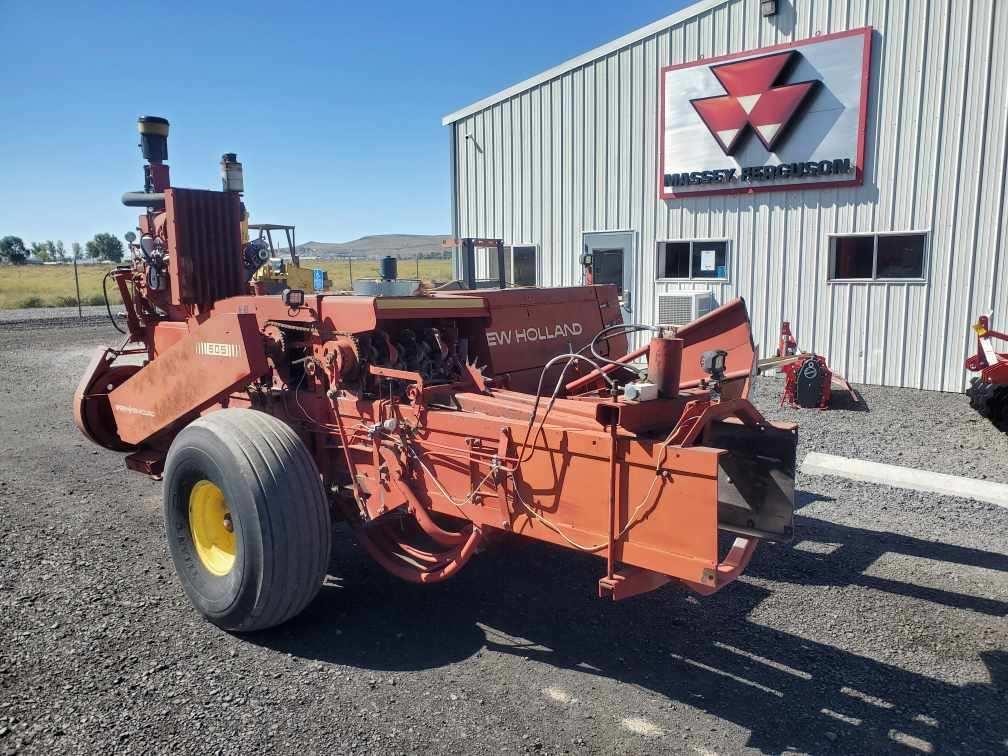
(430, 424)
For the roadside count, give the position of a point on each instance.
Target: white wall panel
(576, 151)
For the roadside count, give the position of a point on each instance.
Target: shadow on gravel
(531, 601)
(841, 400)
(832, 554)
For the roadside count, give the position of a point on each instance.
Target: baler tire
(276, 556)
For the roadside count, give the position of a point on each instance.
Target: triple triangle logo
(753, 100)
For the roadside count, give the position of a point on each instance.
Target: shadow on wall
(786, 690)
(784, 19)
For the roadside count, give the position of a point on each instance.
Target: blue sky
(333, 108)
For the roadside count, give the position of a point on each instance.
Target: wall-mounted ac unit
(678, 308)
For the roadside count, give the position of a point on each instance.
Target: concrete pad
(905, 477)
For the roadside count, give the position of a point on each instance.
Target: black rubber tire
(279, 512)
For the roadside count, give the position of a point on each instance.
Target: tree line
(103, 247)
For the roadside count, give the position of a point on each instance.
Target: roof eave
(627, 39)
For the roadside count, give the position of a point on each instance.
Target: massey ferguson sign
(781, 118)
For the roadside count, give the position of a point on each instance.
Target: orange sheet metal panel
(567, 481)
(528, 327)
(727, 328)
(168, 333)
(222, 354)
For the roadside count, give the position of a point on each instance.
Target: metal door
(612, 254)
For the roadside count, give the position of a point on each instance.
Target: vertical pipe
(665, 365)
(453, 173)
(613, 509)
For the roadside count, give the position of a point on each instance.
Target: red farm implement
(429, 423)
(809, 382)
(988, 391)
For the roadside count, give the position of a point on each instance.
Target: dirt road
(882, 628)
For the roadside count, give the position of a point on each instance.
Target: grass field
(53, 285)
(50, 285)
(339, 271)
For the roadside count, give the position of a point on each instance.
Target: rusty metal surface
(204, 245)
(224, 352)
(727, 328)
(91, 408)
(528, 327)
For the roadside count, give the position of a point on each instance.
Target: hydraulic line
(441, 571)
(418, 510)
(108, 306)
(618, 330)
(571, 357)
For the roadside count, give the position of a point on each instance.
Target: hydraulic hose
(419, 511)
(381, 550)
(108, 307)
(614, 330)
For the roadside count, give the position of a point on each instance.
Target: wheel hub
(212, 528)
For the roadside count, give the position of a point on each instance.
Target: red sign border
(865, 31)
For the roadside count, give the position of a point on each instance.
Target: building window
(703, 260)
(519, 264)
(486, 264)
(523, 265)
(877, 257)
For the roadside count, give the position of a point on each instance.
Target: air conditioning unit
(678, 308)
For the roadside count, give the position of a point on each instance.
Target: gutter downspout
(453, 170)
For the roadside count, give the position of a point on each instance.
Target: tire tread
(293, 511)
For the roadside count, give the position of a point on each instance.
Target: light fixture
(768, 7)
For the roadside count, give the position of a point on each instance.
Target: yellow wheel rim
(211, 527)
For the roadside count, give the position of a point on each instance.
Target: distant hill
(378, 245)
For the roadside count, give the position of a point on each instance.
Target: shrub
(31, 302)
(66, 301)
(94, 299)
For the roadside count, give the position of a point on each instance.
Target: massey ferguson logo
(212, 349)
(517, 336)
(753, 100)
(784, 117)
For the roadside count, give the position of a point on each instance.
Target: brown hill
(377, 245)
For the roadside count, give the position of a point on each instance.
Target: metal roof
(627, 39)
(269, 227)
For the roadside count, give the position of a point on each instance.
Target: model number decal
(134, 410)
(526, 335)
(213, 349)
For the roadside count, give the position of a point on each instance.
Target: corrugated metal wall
(577, 153)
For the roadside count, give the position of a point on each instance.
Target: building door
(612, 263)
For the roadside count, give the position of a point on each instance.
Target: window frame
(925, 261)
(509, 249)
(660, 267)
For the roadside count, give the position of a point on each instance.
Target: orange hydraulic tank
(665, 365)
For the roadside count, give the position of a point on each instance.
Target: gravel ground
(49, 316)
(880, 629)
(922, 429)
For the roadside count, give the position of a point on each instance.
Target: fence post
(80, 312)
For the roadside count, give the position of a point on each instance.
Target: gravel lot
(882, 628)
(33, 317)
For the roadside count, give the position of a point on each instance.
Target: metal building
(840, 164)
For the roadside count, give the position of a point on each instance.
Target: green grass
(50, 285)
(53, 285)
